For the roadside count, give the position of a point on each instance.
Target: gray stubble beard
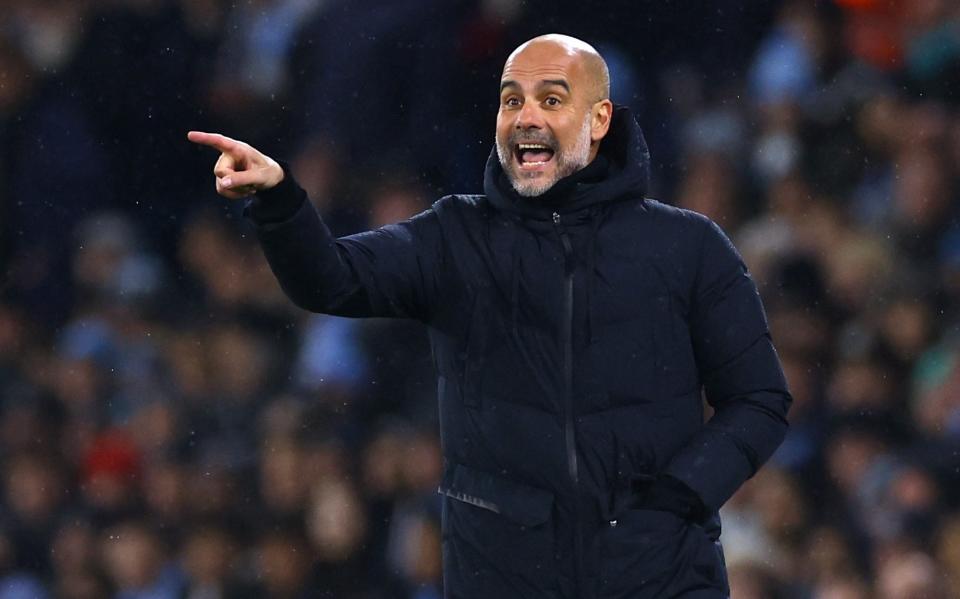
(529, 185)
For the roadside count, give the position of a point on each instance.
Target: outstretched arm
(391, 271)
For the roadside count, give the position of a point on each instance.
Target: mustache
(528, 137)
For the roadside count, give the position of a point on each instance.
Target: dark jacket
(572, 335)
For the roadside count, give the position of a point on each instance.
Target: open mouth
(533, 155)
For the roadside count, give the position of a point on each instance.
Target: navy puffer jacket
(573, 335)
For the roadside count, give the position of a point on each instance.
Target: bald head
(555, 109)
(592, 66)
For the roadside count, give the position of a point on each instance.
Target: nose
(529, 117)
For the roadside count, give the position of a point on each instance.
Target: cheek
(503, 126)
(566, 129)
(502, 135)
(565, 139)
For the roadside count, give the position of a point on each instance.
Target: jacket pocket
(498, 535)
(653, 553)
(523, 504)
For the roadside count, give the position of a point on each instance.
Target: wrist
(276, 175)
(279, 202)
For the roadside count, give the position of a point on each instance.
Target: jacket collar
(620, 170)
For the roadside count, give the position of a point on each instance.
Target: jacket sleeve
(390, 271)
(741, 375)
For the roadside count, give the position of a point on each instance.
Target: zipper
(566, 341)
(569, 431)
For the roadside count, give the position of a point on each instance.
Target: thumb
(235, 179)
(260, 178)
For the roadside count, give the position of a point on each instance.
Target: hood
(620, 170)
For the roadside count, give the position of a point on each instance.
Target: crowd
(172, 427)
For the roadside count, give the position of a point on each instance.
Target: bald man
(574, 323)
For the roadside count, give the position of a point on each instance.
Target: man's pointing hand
(241, 169)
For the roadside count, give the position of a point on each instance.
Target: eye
(552, 101)
(511, 101)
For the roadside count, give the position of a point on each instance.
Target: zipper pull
(565, 240)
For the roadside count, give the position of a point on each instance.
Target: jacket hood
(621, 169)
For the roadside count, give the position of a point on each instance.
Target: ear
(600, 121)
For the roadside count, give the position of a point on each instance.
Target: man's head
(554, 110)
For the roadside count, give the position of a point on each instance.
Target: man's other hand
(241, 170)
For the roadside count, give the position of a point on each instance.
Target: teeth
(533, 147)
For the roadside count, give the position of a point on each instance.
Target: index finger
(214, 140)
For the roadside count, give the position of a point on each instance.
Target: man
(574, 324)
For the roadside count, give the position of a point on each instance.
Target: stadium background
(171, 427)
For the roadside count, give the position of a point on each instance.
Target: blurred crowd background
(171, 427)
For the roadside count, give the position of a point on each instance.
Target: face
(548, 125)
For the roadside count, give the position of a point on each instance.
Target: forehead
(536, 62)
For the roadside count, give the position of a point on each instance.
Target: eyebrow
(543, 83)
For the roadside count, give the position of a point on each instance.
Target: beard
(567, 161)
